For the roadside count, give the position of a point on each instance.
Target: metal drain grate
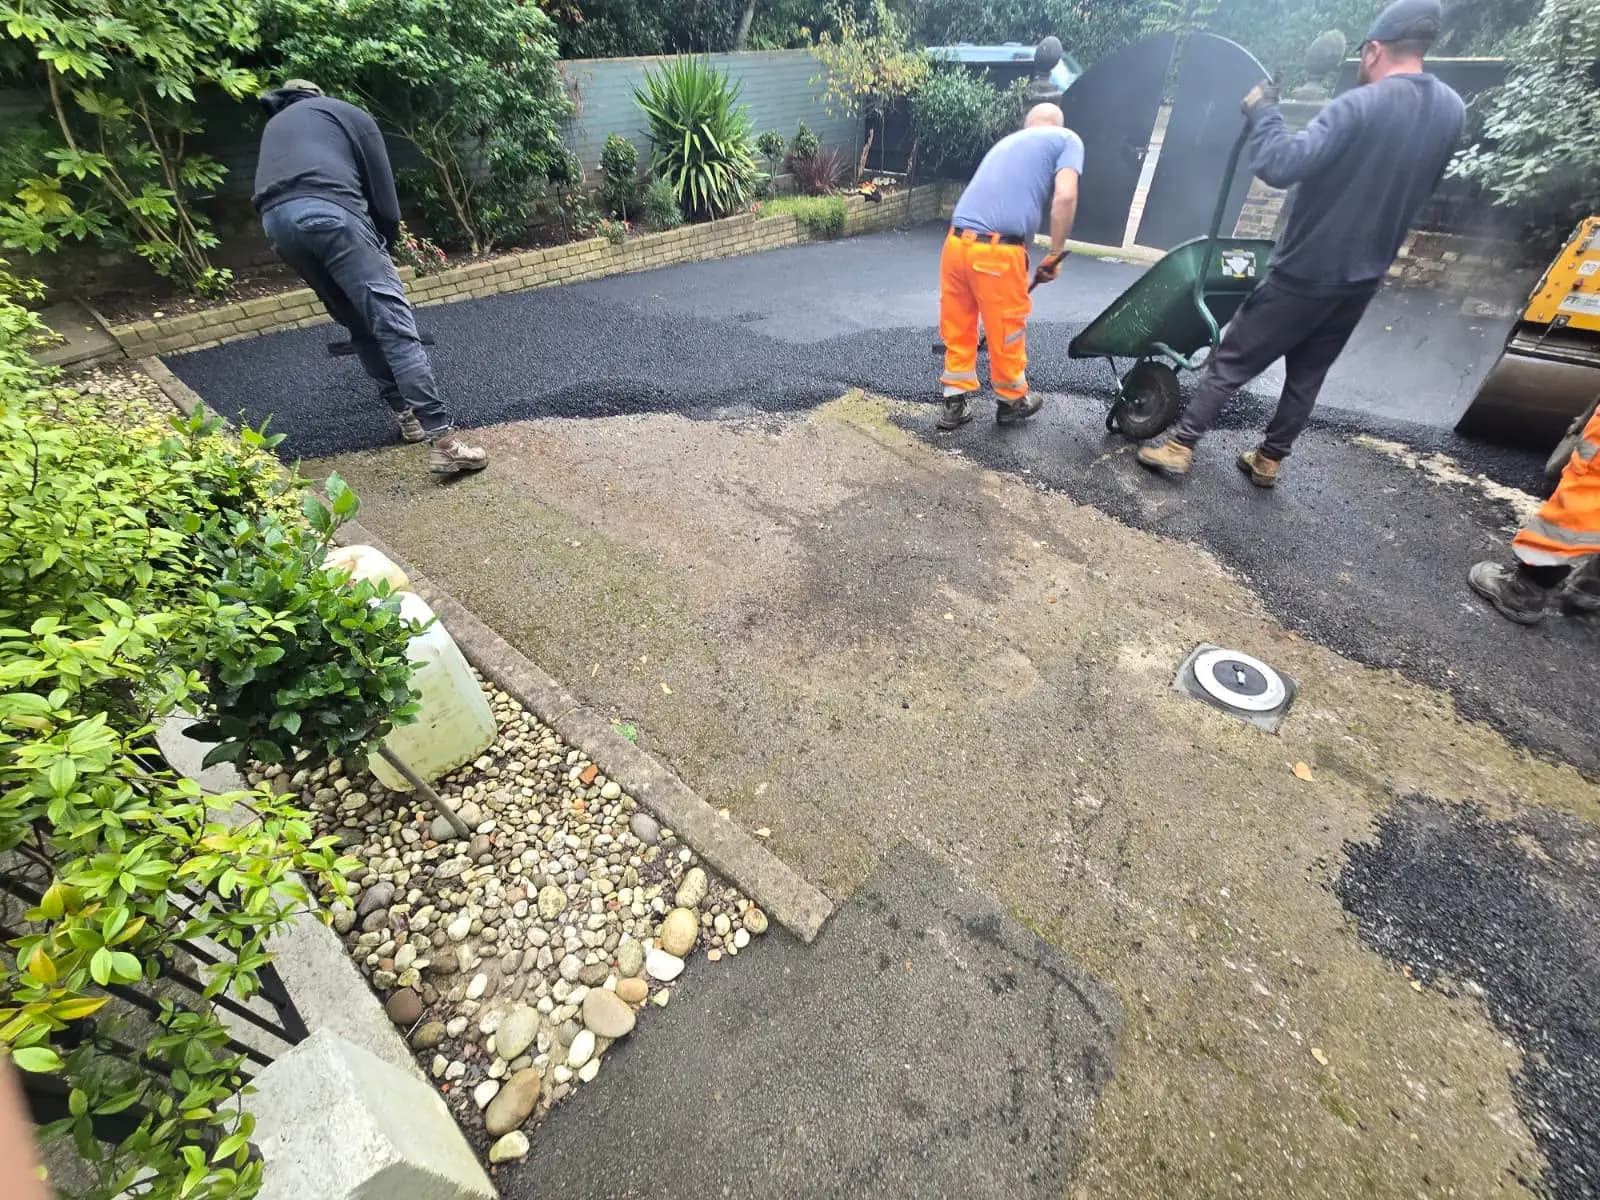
(1238, 683)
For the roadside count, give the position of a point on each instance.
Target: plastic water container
(454, 724)
(363, 562)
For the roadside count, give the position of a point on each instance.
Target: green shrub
(804, 146)
(658, 207)
(957, 115)
(471, 84)
(770, 144)
(1538, 150)
(619, 167)
(700, 136)
(824, 216)
(148, 567)
(121, 167)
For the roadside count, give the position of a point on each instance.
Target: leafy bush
(302, 659)
(565, 198)
(1539, 151)
(619, 166)
(699, 136)
(472, 84)
(658, 207)
(819, 174)
(142, 562)
(417, 252)
(957, 115)
(824, 216)
(121, 81)
(771, 145)
(804, 146)
(869, 64)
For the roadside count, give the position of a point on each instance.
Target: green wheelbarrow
(1173, 311)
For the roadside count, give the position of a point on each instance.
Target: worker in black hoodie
(325, 192)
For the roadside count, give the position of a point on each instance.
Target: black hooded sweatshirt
(324, 149)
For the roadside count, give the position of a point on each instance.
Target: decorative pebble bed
(515, 960)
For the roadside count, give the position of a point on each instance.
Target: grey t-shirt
(1010, 193)
(1364, 167)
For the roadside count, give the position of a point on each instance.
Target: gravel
(523, 954)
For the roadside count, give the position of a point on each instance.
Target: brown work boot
(1582, 592)
(449, 455)
(1171, 457)
(1515, 596)
(1263, 471)
(957, 412)
(1010, 412)
(411, 429)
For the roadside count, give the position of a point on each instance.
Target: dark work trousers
(1307, 331)
(341, 256)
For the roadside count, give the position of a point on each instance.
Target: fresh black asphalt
(1353, 550)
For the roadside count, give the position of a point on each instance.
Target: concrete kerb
(736, 855)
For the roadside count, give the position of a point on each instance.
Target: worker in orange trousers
(1557, 550)
(1027, 178)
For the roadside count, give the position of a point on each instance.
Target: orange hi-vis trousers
(1567, 526)
(981, 276)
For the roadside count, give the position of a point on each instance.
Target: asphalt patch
(925, 1046)
(1507, 912)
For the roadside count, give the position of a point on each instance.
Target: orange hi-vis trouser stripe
(1567, 526)
(981, 277)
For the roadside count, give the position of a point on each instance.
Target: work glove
(1047, 270)
(1263, 95)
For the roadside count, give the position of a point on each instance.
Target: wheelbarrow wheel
(1148, 402)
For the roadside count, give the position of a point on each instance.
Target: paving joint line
(739, 857)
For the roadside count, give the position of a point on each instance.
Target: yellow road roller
(1548, 375)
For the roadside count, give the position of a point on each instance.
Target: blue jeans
(341, 256)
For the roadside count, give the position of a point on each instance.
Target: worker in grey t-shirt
(1362, 170)
(1028, 178)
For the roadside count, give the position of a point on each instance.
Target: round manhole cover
(1240, 681)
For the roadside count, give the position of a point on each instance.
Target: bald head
(1044, 115)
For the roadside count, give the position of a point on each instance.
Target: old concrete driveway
(856, 634)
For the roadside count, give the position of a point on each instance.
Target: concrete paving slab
(927, 1045)
(84, 339)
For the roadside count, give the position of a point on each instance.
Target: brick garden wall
(571, 263)
(1457, 263)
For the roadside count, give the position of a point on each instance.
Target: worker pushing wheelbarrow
(1172, 312)
(1364, 167)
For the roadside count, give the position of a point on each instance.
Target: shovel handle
(1047, 261)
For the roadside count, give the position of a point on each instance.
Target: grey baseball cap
(1408, 21)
